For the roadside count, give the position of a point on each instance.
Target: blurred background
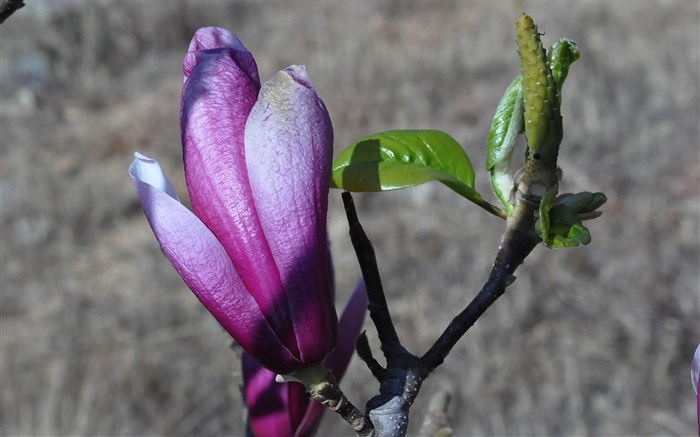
(99, 335)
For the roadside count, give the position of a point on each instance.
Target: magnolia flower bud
(257, 165)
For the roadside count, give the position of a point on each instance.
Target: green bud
(543, 125)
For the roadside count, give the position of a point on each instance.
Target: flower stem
(323, 387)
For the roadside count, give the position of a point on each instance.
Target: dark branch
(404, 374)
(365, 354)
(516, 246)
(8, 7)
(400, 382)
(377, 306)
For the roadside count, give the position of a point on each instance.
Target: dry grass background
(99, 336)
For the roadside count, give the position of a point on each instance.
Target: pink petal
(217, 98)
(289, 142)
(205, 267)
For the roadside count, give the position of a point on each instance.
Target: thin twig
(365, 353)
(9, 7)
(334, 399)
(436, 422)
(322, 386)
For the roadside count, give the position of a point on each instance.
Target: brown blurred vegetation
(99, 336)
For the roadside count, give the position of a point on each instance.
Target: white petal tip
(147, 170)
(285, 378)
(143, 157)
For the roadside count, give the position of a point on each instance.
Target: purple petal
(349, 327)
(338, 360)
(274, 409)
(213, 38)
(695, 379)
(289, 142)
(205, 267)
(207, 38)
(285, 409)
(217, 98)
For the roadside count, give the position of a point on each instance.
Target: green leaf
(542, 225)
(557, 224)
(507, 124)
(570, 236)
(583, 202)
(561, 55)
(403, 158)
